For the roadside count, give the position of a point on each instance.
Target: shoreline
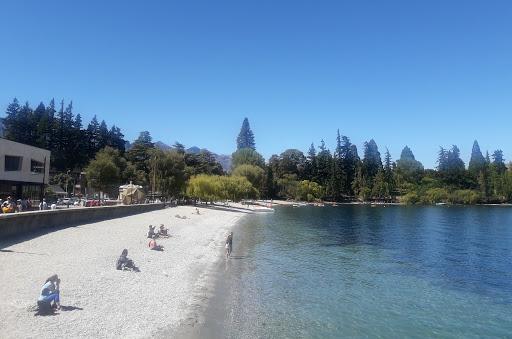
(216, 310)
(172, 289)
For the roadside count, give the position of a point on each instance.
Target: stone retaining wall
(27, 222)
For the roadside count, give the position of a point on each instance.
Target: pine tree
(324, 165)
(41, 125)
(372, 162)
(410, 170)
(477, 161)
(93, 137)
(349, 161)
(336, 186)
(388, 173)
(27, 125)
(245, 137)
(498, 162)
(311, 164)
(11, 122)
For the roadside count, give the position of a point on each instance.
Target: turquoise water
(358, 271)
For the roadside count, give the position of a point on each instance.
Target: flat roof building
(24, 170)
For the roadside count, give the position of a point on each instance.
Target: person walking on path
(229, 245)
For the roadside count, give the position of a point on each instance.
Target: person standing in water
(229, 245)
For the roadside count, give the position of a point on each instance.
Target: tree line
(340, 175)
(343, 175)
(61, 131)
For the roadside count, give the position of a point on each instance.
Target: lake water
(361, 271)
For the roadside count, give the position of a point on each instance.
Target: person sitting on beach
(49, 294)
(125, 264)
(163, 232)
(229, 245)
(197, 211)
(151, 232)
(153, 246)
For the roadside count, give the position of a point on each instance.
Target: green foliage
(247, 156)
(292, 161)
(381, 189)
(203, 162)
(211, 188)
(167, 172)
(245, 137)
(410, 198)
(71, 146)
(466, 197)
(371, 162)
(287, 186)
(308, 191)
(435, 195)
(477, 162)
(253, 173)
(102, 173)
(408, 169)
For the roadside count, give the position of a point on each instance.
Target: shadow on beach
(53, 312)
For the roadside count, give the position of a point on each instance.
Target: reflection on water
(360, 271)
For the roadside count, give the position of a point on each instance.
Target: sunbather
(151, 232)
(153, 246)
(125, 264)
(49, 297)
(163, 232)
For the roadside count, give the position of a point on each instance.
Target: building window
(13, 163)
(36, 167)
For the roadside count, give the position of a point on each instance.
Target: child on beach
(49, 294)
(163, 232)
(125, 264)
(151, 232)
(153, 246)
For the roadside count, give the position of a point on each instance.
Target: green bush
(467, 197)
(435, 195)
(410, 198)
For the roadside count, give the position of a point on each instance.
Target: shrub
(410, 198)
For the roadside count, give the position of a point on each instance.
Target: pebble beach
(171, 289)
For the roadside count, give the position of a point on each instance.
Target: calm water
(358, 271)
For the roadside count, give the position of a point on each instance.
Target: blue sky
(416, 73)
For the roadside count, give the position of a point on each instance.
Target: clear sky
(416, 73)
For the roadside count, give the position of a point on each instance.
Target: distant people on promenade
(125, 264)
(43, 205)
(229, 245)
(49, 298)
(154, 247)
(9, 205)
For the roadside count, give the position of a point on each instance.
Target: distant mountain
(224, 160)
(163, 146)
(195, 150)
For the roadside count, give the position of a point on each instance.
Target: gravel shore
(101, 302)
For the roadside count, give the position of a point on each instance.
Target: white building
(24, 170)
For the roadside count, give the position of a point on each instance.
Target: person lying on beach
(125, 264)
(153, 246)
(49, 297)
(163, 232)
(229, 245)
(151, 232)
